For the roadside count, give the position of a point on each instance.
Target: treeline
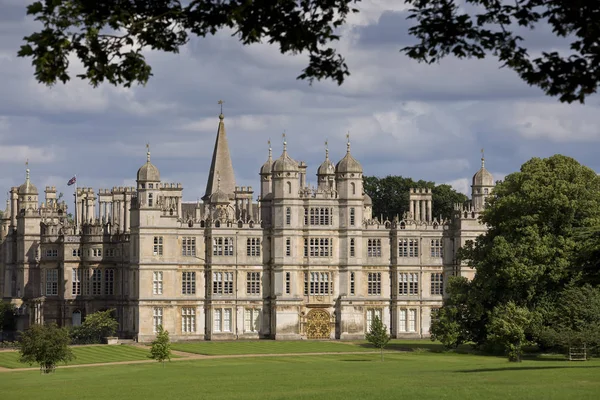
(390, 196)
(537, 267)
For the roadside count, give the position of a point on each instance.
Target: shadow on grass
(429, 347)
(356, 360)
(526, 368)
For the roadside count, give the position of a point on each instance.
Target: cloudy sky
(404, 118)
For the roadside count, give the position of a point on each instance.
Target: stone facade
(298, 263)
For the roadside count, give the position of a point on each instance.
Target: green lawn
(84, 355)
(422, 375)
(270, 347)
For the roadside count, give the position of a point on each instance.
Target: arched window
(76, 318)
(289, 187)
(150, 200)
(353, 188)
(485, 191)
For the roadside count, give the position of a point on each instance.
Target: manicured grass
(269, 347)
(419, 375)
(85, 355)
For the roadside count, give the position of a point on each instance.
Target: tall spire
(221, 166)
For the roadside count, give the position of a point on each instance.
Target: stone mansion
(298, 263)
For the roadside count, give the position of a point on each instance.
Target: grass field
(422, 375)
(84, 355)
(269, 347)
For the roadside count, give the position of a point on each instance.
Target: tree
(507, 327)
(46, 345)
(95, 327)
(108, 37)
(531, 252)
(574, 320)
(390, 196)
(161, 346)
(378, 335)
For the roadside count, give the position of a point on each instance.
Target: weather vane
(220, 102)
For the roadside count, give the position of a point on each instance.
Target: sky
(404, 118)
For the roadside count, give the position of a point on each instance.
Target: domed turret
(27, 187)
(148, 172)
(327, 167)
(285, 163)
(348, 164)
(367, 201)
(268, 165)
(483, 184)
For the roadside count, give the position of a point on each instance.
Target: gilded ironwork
(318, 324)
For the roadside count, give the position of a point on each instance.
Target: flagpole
(76, 216)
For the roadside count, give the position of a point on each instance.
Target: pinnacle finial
(348, 142)
(148, 152)
(218, 181)
(326, 149)
(270, 150)
(221, 116)
(27, 170)
(284, 142)
(482, 159)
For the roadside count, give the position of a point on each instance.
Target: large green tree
(110, 37)
(390, 196)
(531, 251)
(45, 345)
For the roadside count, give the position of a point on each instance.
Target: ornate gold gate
(318, 324)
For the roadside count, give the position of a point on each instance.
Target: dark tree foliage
(108, 36)
(447, 27)
(95, 328)
(45, 345)
(8, 316)
(390, 196)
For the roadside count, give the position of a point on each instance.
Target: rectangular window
(288, 216)
(158, 246)
(402, 321)
(352, 248)
(188, 320)
(437, 283)
(320, 283)
(352, 216)
(412, 320)
(222, 282)
(436, 248)
(51, 282)
(319, 216)
(253, 283)
(157, 318)
(305, 216)
(188, 246)
(157, 282)
(109, 281)
(76, 282)
(408, 248)
(251, 320)
(318, 247)
(374, 284)
(288, 247)
(227, 320)
(51, 253)
(288, 279)
(374, 248)
(76, 252)
(408, 283)
(217, 324)
(371, 314)
(222, 246)
(352, 284)
(188, 282)
(253, 247)
(96, 281)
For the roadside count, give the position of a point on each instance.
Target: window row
(222, 319)
(83, 282)
(317, 283)
(410, 248)
(318, 216)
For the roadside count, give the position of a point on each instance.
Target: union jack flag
(72, 181)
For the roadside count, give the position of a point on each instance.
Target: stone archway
(318, 324)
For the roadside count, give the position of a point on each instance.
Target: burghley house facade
(298, 263)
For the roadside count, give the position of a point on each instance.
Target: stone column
(179, 211)
(423, 210)
(412, 208)
(126, 211)
(429, 211)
